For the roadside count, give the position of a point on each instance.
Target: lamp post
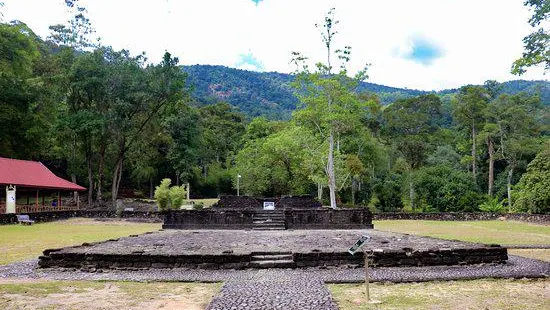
(238, 181)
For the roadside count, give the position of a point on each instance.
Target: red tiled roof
(26, 173)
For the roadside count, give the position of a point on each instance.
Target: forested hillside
(270, 94)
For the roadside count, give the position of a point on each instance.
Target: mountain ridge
(270, 93)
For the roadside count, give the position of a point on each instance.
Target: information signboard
(360, 242)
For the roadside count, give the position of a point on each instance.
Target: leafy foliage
(532, 194)
(162, 194)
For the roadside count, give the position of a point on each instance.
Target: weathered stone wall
(464, 216)
(247, 202)
(324, 218)
(237, 202)
(136, 261)
(243, 219)
(299, 202)
(383, 258)
(61, 215)
(208, 219)
(405, 257)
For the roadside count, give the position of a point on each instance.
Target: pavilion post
(36, 201)
(58, 199)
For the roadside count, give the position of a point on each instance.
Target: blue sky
(421, 44)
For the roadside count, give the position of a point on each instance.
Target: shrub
(162, 194)
(198, 206)
(177, 196)
(492, 205)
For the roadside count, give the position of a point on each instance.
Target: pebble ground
(286, 288)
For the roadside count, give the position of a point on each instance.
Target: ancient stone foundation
(234, 249)
(314, 218)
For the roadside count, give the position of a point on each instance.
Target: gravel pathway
(516, 267)
(269, 290)
(286, 288)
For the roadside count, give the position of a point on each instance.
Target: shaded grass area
(474, 294)
(21, 242)
(499, 232)
(540, 254)
(106, 295)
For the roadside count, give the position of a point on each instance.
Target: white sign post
(10, 199)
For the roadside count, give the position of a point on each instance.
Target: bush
(177, 196)
(198, 206)
(492, 205)
(162, 194)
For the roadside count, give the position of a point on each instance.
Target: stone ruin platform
(241, 249)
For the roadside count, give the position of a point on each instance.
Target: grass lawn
(474, 294)
(105, 295)
(499, 232)
(21, 242)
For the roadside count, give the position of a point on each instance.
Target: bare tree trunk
(330, 171)
(319, 191)
(491, 150)
(101, 172)
(474, 167)
(75, 193)
(117, 176)
(150, 187)
(353, 185)
(411, 193)
(509, 187)
(116, 181)
(90, 179)
(73, 172)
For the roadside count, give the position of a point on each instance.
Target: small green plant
(198, 206)
(492, 205)
(162, 194)
(177, 196)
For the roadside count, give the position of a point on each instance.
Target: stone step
(269, 228)
(273, 264)
(279, 222)
(256, 258)
(269, 215)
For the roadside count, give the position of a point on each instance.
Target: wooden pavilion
(32, 187)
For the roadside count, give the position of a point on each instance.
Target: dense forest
(118, 124)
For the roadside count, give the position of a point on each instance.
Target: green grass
(474, 294)
(105, 295)
(499, 232)
(21, 242)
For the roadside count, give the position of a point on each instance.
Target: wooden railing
(40, 208)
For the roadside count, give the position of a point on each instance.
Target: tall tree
(143, 94)
(490, 131)
(330, 105)
(536, 48)
(469, 109)
(408, 124)
(518, 131)
(18, 54)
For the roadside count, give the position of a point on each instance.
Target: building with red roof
(31, 177)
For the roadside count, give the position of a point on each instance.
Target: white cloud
(481, 39)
